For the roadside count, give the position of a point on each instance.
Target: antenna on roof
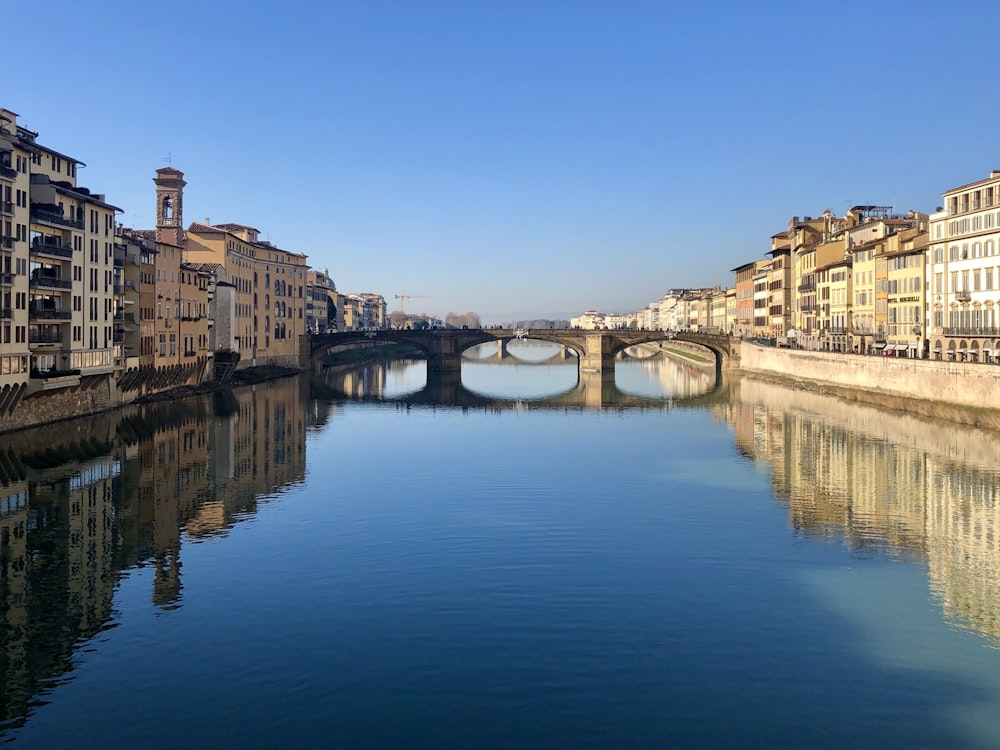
(168, 160)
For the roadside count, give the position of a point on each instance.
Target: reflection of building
(963, 538)
(886, 481)
(118, 490)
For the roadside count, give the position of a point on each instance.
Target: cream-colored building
(963, 273)
(833, 287)
(761, 319)
(57, 270)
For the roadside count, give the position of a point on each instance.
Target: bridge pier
(445, 356)
(445, 385)
(599, 356)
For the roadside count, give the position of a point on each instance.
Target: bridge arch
(596, 350)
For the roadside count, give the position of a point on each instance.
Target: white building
(963, 274)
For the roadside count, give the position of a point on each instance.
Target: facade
(779, 286)
(743, 323)
(56, 270)
(906, 268)
(963, 275)
(761, 320)
(323, 314)
(834, 289)
(588, 321)
(268, 285)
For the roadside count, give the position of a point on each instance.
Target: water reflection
(85, 500)
(885, 482)
(491, 381)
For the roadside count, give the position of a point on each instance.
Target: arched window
(168, 209)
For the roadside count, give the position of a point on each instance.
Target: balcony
(38, 312)
(6, 207)
(51, 249)
(809, 286)
(44, 338)
(124, 316)
(6, 242)
(981, 331)
(54, 218)
(6, 279)
(6, 170)
(119, 262)
(190, 353)
(836, 330)
(47, 374)
(6, 313)
(46, 281)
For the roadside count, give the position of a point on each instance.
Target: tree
(468, 320)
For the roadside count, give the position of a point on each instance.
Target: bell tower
(170, 206)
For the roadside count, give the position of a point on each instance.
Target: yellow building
(270, 289)
(833, 287)
(906, 259)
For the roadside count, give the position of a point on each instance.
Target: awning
(878, 345)
(902, 347)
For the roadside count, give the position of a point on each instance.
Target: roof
(993, 176)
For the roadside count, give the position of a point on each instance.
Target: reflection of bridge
(593, 390)
(504, 356)
(596, 350)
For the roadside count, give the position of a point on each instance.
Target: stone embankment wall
(93, 396)
(699, 358)
(962, 391)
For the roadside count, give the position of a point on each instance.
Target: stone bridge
(596, 350)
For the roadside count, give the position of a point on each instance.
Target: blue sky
(516, 158)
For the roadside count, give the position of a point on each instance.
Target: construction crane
(403, 297)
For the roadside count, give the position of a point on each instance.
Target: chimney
(995, 173)
(208, 222)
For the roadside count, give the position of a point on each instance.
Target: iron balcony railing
(6, 242)
(6, 207)
(6, 313)
(55, 217)
(44, 313)
(54, 249)
(44, 337)
(126, 316)
(49, 282)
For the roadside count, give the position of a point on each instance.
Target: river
(524, 559)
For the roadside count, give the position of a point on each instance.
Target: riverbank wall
(965, 392)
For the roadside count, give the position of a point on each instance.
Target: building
(743, 316)
(56, 271)
(323, 314)
(268, 285)
(963, 275)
